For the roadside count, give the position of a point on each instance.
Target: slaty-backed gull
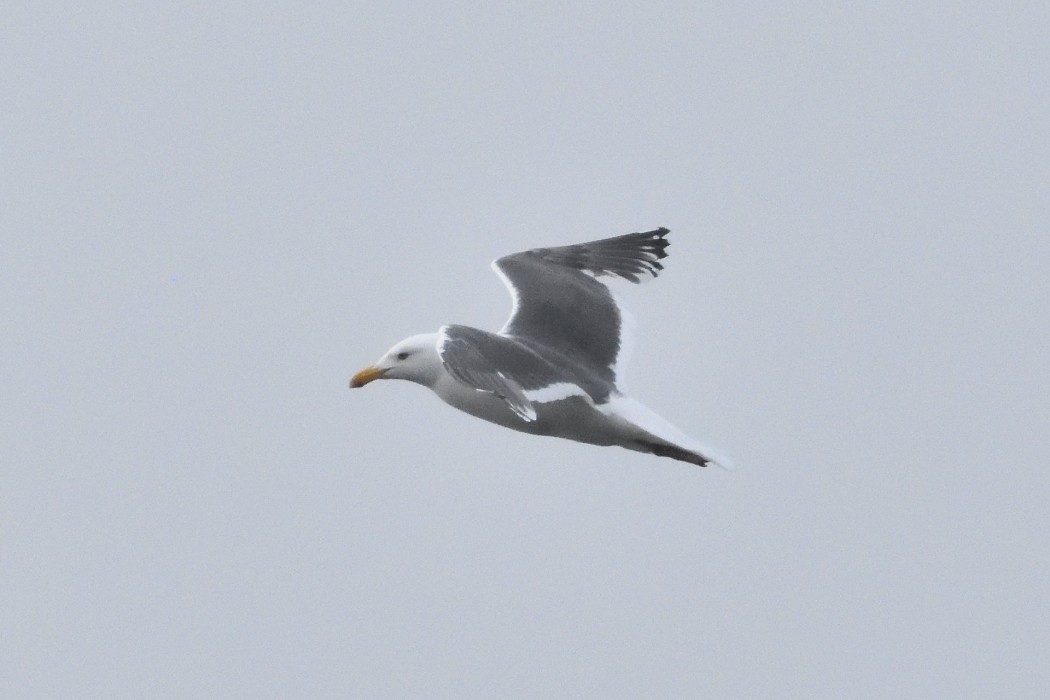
(556, 366)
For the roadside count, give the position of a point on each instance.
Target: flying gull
(556, 367)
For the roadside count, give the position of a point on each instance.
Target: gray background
(213, 214)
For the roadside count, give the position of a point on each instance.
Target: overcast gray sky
(213, 214)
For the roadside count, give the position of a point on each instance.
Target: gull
(556, 366)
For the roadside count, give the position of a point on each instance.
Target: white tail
(643, 417)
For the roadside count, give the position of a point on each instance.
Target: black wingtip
(631, 256)
(660, 242)
(658, 232)
(661, 449)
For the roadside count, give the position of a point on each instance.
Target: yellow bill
(365, 376)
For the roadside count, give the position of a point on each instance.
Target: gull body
(554, 368)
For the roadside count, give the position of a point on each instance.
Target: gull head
(414, 359)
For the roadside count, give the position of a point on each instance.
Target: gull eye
(402, 356)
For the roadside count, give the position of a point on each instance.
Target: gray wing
(560, 304)
(497, 365)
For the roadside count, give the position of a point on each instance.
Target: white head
(415, 359)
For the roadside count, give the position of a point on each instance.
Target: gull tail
(647, 431)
